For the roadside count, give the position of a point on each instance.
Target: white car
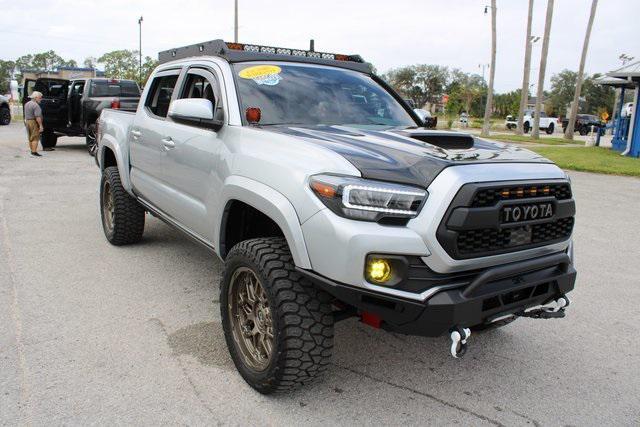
(548, 124)
(627, 110)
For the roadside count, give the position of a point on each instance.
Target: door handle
(168, 143)
(136, 133)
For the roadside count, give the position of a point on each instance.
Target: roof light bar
(291, 52)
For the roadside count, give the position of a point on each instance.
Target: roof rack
(242, 52)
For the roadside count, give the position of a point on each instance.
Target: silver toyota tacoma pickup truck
(326, 198)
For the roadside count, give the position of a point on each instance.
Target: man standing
(33, 121)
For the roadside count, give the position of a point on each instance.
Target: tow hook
(459, 337)
(553, 310)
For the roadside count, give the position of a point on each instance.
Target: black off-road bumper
(487, 295)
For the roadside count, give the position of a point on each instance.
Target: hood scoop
(447, 140)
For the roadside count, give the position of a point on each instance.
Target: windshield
(119, 88)
(316, 95)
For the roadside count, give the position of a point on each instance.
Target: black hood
(402, 155)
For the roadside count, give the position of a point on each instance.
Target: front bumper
(489, 294)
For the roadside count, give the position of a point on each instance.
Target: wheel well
(108, 158)
(241, 221)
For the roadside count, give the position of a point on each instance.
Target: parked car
(325, 206)
(627, 109)
(464, 120)
(5, 111)
(584, 123)
(429, 121)
(510, 122)
(71, 107)
(547, 124)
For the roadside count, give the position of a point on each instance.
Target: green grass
(591, 159)
(527, 139)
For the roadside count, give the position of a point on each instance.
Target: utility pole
(535, 133)
(235, 26)
(524, 94)
(576, 96)
(140, 50)
(492, 72)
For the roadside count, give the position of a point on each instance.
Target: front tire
(526, 127)
(5, 116)
(278, 326)
(122, 215)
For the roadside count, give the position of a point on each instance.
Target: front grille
(474, 225)
(491, 196)
(491, 239)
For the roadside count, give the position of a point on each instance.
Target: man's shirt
(32, 110)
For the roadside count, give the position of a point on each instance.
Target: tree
(6, 72)
(576, 97)
(527, 71)
(90, 62)
(46, 61)
(507, 103)
(598, 98)
(465, 93)
(121, 64)
(562, 88)
(148, 66)
(124, 64)
(535, 133)
(421, 83)
(492, 72)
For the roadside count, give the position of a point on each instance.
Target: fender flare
(122, 159)
(270, 202)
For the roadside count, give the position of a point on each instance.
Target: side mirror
(420, 113)
(195, 111)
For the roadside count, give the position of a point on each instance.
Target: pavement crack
(185, 373)
(25, 392)
(423, 394)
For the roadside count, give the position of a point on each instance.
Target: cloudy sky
(454, 33)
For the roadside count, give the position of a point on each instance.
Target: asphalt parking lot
(95, 334)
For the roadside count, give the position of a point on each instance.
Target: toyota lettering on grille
(527, 212)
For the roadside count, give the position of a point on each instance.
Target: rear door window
(160, 93)
(119, 88)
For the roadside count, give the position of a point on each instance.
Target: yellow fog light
(378, 270)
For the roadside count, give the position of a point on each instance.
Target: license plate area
(527, 212)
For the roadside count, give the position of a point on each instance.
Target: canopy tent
(626, 133)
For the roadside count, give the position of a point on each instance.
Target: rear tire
(284, 338)
(5, 116)
(526, 127)
(48, 139)
(550, 129)
(122, 215)
(583, 131)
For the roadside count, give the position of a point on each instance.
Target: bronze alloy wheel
(108, 206)
(251, 320)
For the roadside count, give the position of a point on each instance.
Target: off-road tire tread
(304, 316)
(5, 116)
(129, 215)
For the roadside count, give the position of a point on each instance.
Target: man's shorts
(33, 129)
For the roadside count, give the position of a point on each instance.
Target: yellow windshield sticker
(262, 74)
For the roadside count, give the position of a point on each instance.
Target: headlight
(367, 200)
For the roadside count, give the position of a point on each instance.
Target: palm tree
(576, 96)
(492, 72)
(535, 133)
(524, 94)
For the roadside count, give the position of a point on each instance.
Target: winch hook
(459, 337)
